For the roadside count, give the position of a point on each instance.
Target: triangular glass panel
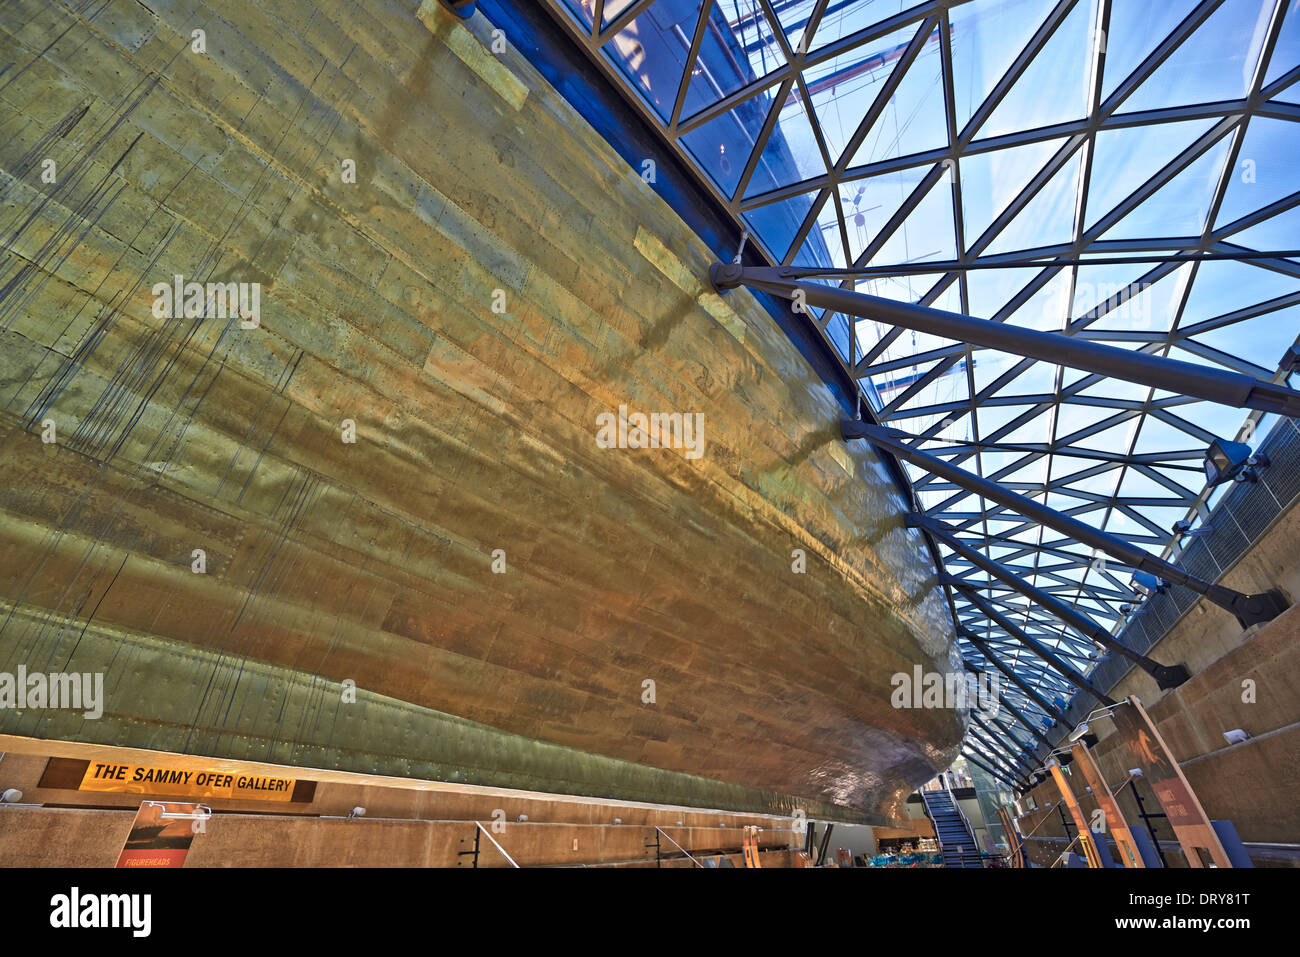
(1124, 159)
(1036, 380)
(839, 21)
(927, 233)
(989, 290)
(723, 65)
(823, 246)
(1137, 27)
(843, 88)
(1215, 63)
(1277, 232)
(870, 203)
(655, 78)
(1037, 429)
(1260, 340)
(1118, 285)
(1158, 435)
(790, 155)
(777, 223)
(723, 145)
(1223, 286)
(837, 330)
(1286, 53)
(1180, 207)
(1046, 310)
(1115, 439)
(1116, 389)
(1151, 309)
(986, 39)
(990, 365)
(892, 384)
(750, 36)
(913, 120)
(1048, 218)
(1055, 86)
(1265, 168)
(991, 418)
(991, 180)
(1221, 420)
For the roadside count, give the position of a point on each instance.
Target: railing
(962, 854)
(965, 823)
(664, 833)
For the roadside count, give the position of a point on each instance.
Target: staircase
(956, 843)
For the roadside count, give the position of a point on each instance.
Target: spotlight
(1125, 609)
(1135, 772)
(356, 812)
(1225, 461)
(11, 796)
(1146, 584)
(1235, 736)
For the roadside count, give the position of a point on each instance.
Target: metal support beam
(1014, 785)
(1015, 679)
(1167, 676)
(1248, 609)
(1015, 763)
(995, 747)
(1033, 644)
(1023, 762)
(975, 739)
(1014, 710)
(1032, 262)
(1159, 372)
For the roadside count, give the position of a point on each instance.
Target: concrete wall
(402, 825)
(373, 562)
(1254, 687)
(1207, 632)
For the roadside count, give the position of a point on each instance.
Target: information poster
(1148, 751)
(1085, 840)
(161, 835)
(1116, 826)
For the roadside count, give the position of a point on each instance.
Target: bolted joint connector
(724, 276)
(851, 429)
(1169, 676)
(1259, 608)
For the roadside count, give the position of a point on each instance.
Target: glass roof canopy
(957, 152)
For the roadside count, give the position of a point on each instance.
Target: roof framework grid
(1116, 171)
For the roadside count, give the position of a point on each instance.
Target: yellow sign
(142, 779)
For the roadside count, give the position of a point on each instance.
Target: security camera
(11, 796)
(521, 818)
(356, 812)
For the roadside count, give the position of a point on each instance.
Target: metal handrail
(962, 854)
(480, 826)
(964, 820)
(678, 846)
